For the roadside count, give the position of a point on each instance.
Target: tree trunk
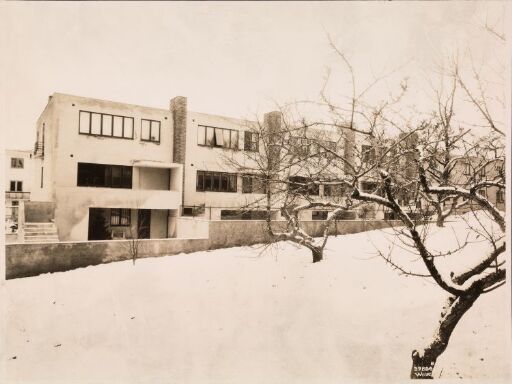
(423, 361)
(318, 255)
(440, 218)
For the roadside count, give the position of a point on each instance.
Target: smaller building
(19, 171)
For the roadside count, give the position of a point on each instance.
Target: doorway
(144, 223)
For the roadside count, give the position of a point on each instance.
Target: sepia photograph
(255, 192)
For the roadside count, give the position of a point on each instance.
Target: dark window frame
(251, 183)
(500, 196)
(207, 181)
(85, 170)
(17, 162)
(151, 131)
(319, 215)
(295, 185)
(251, 141)
(15, 186)
(232, 133)
(88, 133)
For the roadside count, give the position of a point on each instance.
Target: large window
(16, 162)
(251, 140)
(120, 217)
(217, 137)
(252, 184)
(103, 175)
(215, 181)
(303, 185)
(16, 186)
(150, 130)
(302, 146)
(101, 124)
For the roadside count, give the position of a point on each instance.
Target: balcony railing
(15, 195)
(39, 149)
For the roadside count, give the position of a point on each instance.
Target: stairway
(41, 233)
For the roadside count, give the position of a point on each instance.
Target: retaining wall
(24, 260)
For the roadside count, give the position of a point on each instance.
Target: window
(102, 175)
(252, 184)
(334, 190)
(231, 214)
(369, 187)
(482, 192)
(500, 196)
(319, 215)
(216, 182)
(16, 162)
(120, 217)
(150, 130)
(302, 146)
(16, 186)
(467, 168)
(15, 203)
(251, 140)
(217, 137)
(300, 185)
(367, 153)
(102, 124)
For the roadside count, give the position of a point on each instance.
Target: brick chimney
(272, 121)
(178, 108)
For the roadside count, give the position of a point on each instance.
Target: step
(39, 224)
(43, 231)
(41, 238)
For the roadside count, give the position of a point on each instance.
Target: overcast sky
(233, 59)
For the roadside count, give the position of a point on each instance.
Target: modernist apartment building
(108, 167)
(114, 170)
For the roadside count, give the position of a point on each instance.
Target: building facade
(19, 173)
(114, 171)
(108, 168)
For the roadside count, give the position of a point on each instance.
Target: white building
(114, 170)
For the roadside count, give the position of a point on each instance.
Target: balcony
(14, 195)
(39, 149)
(119, 197)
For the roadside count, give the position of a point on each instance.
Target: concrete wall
(24, 260)
(39, 212)
(190, 228)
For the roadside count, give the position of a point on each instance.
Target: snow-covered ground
(245, 315)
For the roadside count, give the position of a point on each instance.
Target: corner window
(150, 130)
(16, 162)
